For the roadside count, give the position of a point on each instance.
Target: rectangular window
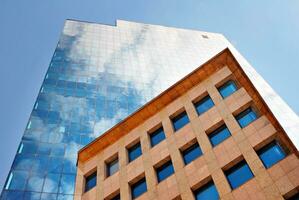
(191, 153)
(138, 188)
(112, 167)
(246, 117)
(164, 171)
(134, 152)
(90, 181)
(180, 120)
(271, 154)
(204, 105)
(117, 197)
(157, 136)
(219, 135)
(238, 174)
(294, 197)
(208, 192)
(227, 89)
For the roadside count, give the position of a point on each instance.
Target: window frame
(201, 101)
(217, 131)
(224, 85)
(235, 168)
(203, 188)
(109, 163)
(245, 112)
(90, 175)
(266, 147)
(133, 185)
(156, 132)
(131, 147)
(188, 149)
(163, 166)
(175, 118)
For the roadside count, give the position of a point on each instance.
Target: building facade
(98, 75)
(209, 136)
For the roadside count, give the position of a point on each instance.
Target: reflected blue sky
(100, 74)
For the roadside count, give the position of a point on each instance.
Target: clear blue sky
(265, 32)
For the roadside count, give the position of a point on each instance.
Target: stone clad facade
(280, 181)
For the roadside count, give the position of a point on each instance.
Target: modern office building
(100, 74)
(209, 136)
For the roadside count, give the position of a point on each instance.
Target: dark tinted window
(227, 89)
(117, 197)
(180, 120)
(238, 174)
(295, 197)
(138, 188)
(157, 136)
(134, 152)
(219, 135)
(204, 104)
(164, 171)
(112, 167)
(191, 153)
(246, 117)
(271, 154)
(90, 181)
(207, 192)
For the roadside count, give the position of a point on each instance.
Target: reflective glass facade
(98, 75)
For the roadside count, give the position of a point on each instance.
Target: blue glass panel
(55, 165)
(227, 89)
(27, 147)
(180, 120)
(246, 117)
(90, 181)
(48, 196)
(35, 183)
(67, 184)
(32, 195)
(40, 163)
(112, 167)
(191, 153)
(69, 165)
(157, 136)
(51, 183)
(271, 154)
(12, 195)
(134, 152)
(17, 180)
(44, 149)
(204, 105)
(165, 171)
(219, 135)
(207, 192)
(238, 174)
(138, 188)
(65, 197)
(23, 162)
